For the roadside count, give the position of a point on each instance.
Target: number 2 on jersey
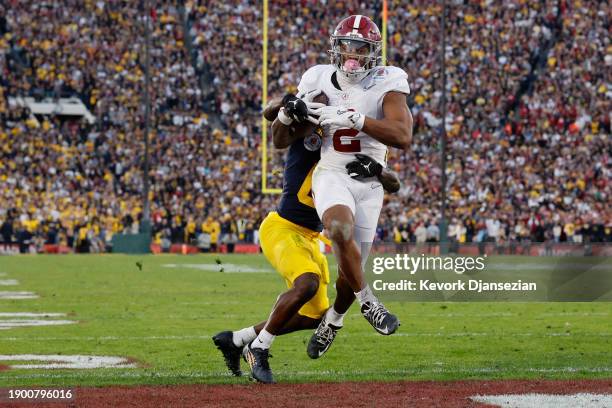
(346, 146)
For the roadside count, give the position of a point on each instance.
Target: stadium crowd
(528, 142)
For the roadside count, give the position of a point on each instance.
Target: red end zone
(361, 394)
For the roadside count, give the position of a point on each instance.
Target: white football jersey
(366, 97)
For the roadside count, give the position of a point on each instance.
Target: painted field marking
(35, 319)
(28, 314)
(11, 324)
(112, 338)
(18, 295)
(9, 282)
(546, 400)
(227, 268)
(60, 361)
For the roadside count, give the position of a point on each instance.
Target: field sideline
(161, 318)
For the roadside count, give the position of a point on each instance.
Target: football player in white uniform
(367, 112)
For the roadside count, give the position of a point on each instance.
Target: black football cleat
(257, 359)
(380, 318)
(231, 352)
(321, 339)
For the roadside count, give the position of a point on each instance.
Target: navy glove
(295, 108)
(364, 167)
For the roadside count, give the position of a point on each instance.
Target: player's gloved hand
(308, 98)
(340, 117)
(294, 109)
(364, 167)
(299, 108)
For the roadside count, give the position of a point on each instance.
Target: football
(302, 129)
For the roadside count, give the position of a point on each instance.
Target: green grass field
(163, 317)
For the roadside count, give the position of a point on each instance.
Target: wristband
(360, 122)
(284, 118)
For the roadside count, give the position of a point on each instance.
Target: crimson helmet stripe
(356, 23)
(358, 26)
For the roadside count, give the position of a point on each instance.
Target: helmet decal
(356, 24)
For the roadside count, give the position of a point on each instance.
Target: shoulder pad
(310, 78)
(389, 78)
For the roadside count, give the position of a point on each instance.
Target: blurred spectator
(433, 233)
(528, 118)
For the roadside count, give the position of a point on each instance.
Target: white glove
(308, 98)
(339, 117)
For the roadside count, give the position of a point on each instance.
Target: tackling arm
(293, 113)
(282, 135)
(396, 128)
(271, 110)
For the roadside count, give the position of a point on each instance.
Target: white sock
(365, 295)
(333, 317)
(264, 340)
(244, 336)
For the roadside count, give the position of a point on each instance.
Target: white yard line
(18, 295)
(63, 361)
(28, 314)
(9, 324)
(28, 319)
(9, 282)
(112, 338)
(546, 400)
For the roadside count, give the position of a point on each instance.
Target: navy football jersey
(296, 203)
